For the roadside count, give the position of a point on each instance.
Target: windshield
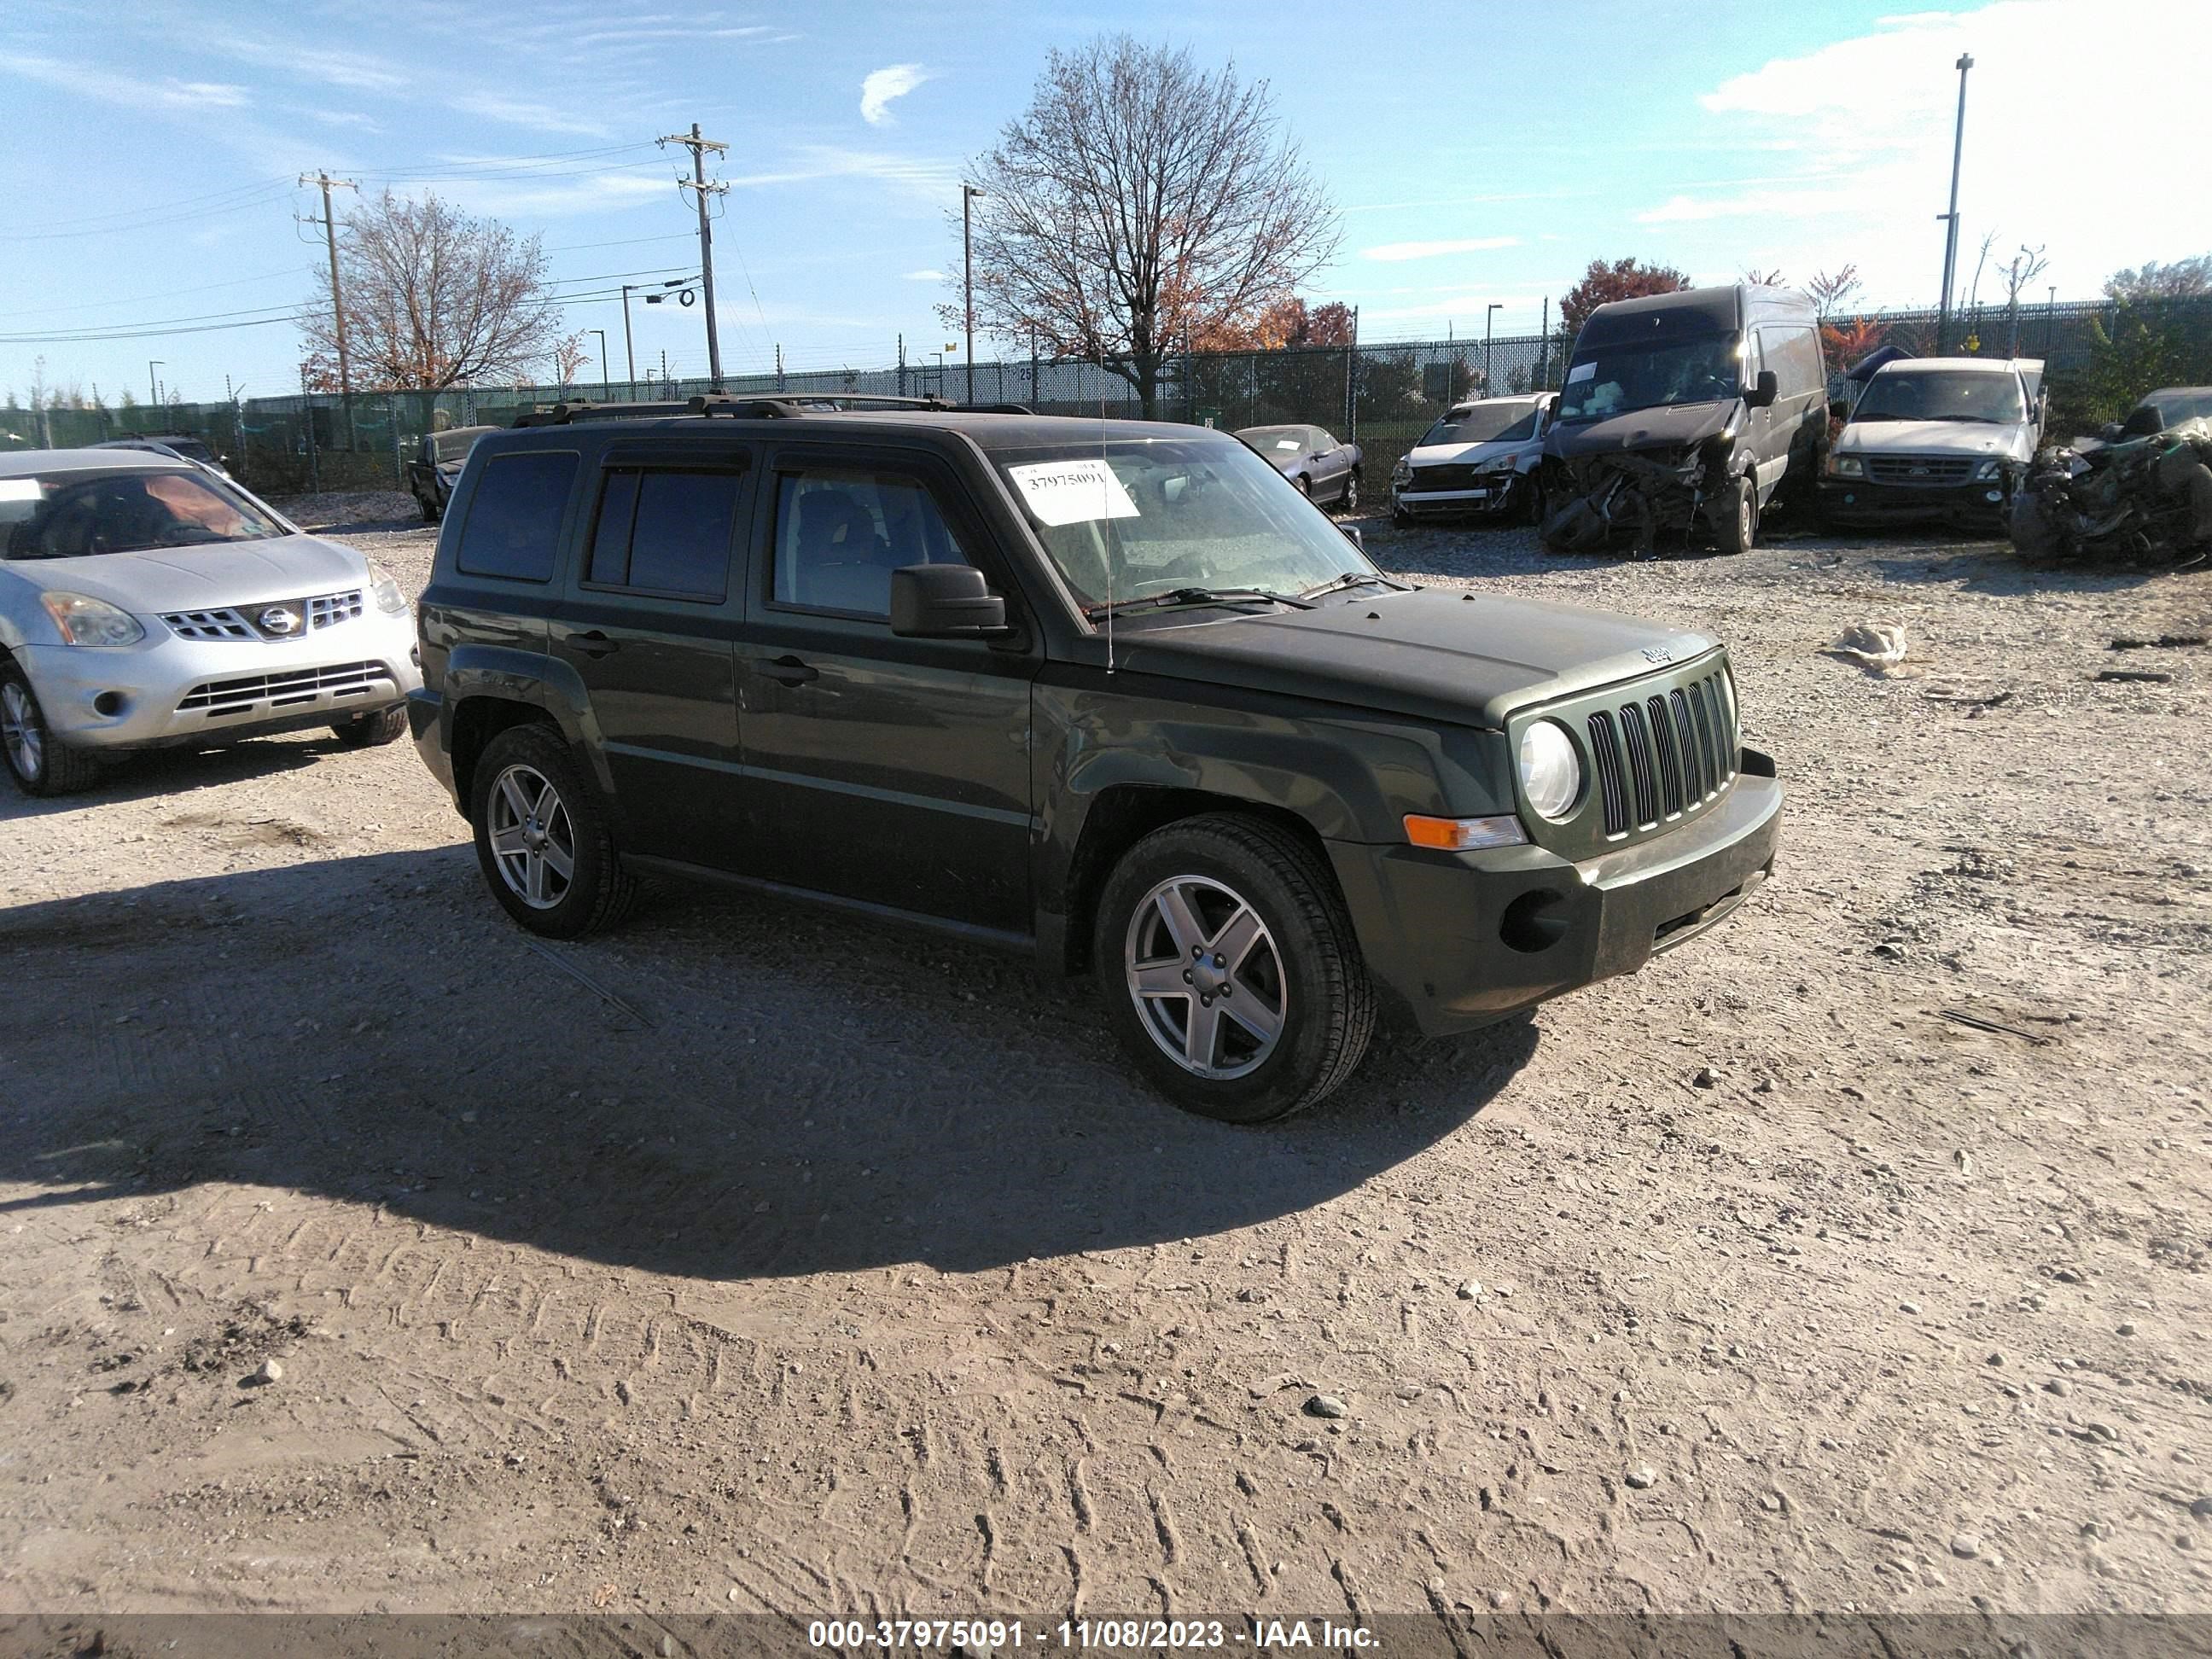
(1938, 394)
(1274, 441)
(64, 515)
(454, 446)
(1483, 423)
(1173, 512)
(1607, 380)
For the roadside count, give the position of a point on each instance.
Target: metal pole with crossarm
(1951, 219)
(968, 194)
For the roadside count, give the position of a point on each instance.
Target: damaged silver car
(1681, 417)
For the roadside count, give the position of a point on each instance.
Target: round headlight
(1551, 775)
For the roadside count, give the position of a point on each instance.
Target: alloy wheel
(1207, 977)
(533, 839)
(20, 732)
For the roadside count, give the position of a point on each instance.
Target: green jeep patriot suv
(1111, 693)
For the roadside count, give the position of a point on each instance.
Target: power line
(167, 294)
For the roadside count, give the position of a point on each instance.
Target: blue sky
(1478, 153)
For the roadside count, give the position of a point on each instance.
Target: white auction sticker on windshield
(1286, 443)
(1073, 492)
(1581, 372)
(19, 489)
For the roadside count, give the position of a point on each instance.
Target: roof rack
(784, 406)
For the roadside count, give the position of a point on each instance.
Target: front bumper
(1862, 501)
(1457, 940)
(1483, 502)
(166, 691)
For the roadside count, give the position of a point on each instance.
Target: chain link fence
(2101, 357)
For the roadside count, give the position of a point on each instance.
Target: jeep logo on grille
(1657, 653)
(279, 619)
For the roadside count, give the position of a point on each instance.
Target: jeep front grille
(1659, 755)
(267, 693)
(1911, 469)
(233, 622)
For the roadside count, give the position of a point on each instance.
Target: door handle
(594, 644)
(789, 671)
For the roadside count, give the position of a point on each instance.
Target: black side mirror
(1838, 409)
(1552, 409)
(1763, 390)
(1351, 534)
(2110, 432)
(945, 602)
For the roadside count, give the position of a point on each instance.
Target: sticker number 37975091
(1073, 492)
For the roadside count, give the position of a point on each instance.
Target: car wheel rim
(533, 839)
(1209, 984)
(19, 730)
(1352, 496)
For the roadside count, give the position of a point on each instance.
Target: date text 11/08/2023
(1320, 1635)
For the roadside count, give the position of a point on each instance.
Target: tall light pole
(607, 381)
(2049, 318)
(1488, 316)
(968, 194)
(153, 382)
(1951, 219)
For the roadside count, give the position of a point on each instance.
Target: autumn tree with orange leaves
(1141, 207)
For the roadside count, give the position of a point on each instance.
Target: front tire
(1350, 504)
(544, 839)
(1735, 517)
(373, 731)
(1230, 970)
(41, 763)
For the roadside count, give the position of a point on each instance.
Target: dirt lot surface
(752, 1258)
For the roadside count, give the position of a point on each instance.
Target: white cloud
(884, 84)
(1872, 115)
(521, 113)
(1396, 250)
(111, 87)
(925, 276)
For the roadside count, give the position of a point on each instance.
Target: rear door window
(665, 531)
(513, 531)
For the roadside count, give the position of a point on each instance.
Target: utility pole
(629, 352)
(606, 381)
(967, 193)
(701, 190)
(1489, 319)
(154, 380)
(337, 299)
(1951, 219)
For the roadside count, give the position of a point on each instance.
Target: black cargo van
(1680, 417)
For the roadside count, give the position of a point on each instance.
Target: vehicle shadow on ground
(724, 1091)
(177, 772)
(1993, 567)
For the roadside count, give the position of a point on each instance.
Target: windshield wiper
(1183, 596)
(1355, 579)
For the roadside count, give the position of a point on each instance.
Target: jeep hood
(1670, 426)
(1431, 654)
(1974, 439)
(196, 578)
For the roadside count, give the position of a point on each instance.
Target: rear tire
(373, 731)
(1297, 1008)
(41, 762)
(1735, 517)
(429, 508)
(533, 810)
(1350, 504)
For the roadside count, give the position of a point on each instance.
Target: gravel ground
(755, 1258)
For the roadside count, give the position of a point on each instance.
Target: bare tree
(433, 297)
(570, 354)
(2023, 268)
(1833, 292)
(1767, 278)
(1139, 203)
